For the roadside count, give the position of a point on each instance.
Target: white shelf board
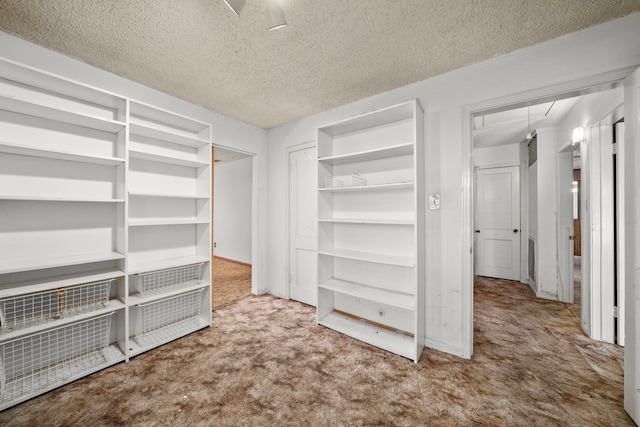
(110, 306)
(164, 221)
(162, 264)
(57, 199)
(16, 105)
(394, 342)
(372, 119)
(24, 150)
(375, 187)
(368, 221)
(137, 299)
(159, 158)
(16, 266)
(402, 261)
(166, 135)
(383, 296)
(165, 196)
(44, 284)
(368, 155)
(140, 344)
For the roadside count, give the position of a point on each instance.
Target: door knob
(477, 231)
(515, 230)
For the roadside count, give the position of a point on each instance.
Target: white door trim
(573, 87)
(255, 252)
(287, 152)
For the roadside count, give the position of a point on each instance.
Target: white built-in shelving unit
(371, 228)
(105, 231)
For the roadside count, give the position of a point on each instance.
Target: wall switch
(434, 202)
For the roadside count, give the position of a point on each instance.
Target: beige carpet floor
(266, 363)
(231, 282)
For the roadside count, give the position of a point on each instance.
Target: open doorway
(232, 226)
(534, 138)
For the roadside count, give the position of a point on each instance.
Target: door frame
(591, 84)
(287, 153)
(255, 258)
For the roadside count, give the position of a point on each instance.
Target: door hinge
(290, 168)
(571, 237)
(615, 312)
(615, 148)
(289, 278)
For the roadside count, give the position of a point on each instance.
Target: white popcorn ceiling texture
(333, 52)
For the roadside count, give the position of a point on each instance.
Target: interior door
(632, 249)
(303, 231)
(498, 222)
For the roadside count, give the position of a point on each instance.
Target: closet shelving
(371, 234)
(169, 226)
(96, 191)
(62, 251)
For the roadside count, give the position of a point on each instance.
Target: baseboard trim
(232, 260)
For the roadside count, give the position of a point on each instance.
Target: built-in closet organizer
(371, 228)
(104, 230)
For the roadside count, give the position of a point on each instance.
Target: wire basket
(39, 361)
(26, 310)
(162, 280)
(167, 319)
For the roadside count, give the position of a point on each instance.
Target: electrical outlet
(214, 244)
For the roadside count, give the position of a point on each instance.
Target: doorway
(232, 187)
(538, 134)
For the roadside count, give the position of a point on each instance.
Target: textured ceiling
(332, 52)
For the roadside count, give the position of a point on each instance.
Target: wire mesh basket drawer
(162, 280)
(167, 319)
(22, 311)
(39, 361)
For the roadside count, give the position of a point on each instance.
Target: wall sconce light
(577, 136)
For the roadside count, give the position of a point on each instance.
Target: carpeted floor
(231, 282)
(266, 363)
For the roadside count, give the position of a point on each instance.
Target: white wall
(232, 210)
(227, 132)
(509, 154)
(547, 262)
(446, 99)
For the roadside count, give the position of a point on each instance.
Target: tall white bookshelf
(104, 238)
(371, 274)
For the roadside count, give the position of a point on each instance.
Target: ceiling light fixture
(236, 5)
(275, 14)
(577, 136)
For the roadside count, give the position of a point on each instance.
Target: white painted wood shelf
(378, 258)
(95, 190)
(367, 221)
(371, 276)
(384, 296)
(368, 155)
(20, 106)
(166, 135)
(160, 158)
(20, 265)
(25, 150)
(373, 187)
(395, 342)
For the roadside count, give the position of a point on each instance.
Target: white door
(303, 231)
(632, 250)
(498, 222)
